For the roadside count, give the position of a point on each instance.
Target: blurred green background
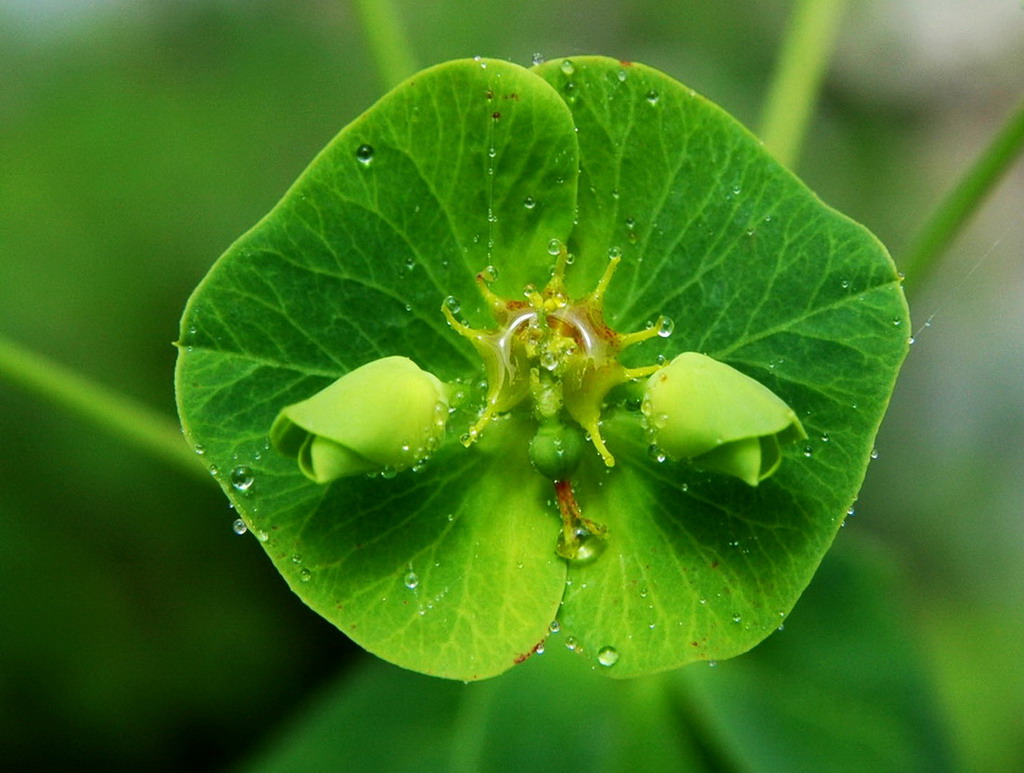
(138, 139)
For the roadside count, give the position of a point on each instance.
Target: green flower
(722, 420)
(384, 417)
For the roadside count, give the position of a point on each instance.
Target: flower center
(555, 351)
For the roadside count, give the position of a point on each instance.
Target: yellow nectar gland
(557, 351)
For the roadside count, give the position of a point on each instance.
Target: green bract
(541, 240)
(722, 420)
(382, 417)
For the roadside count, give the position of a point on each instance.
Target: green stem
(798, 75)
(388, 44)
(118, 414)
(967, 195)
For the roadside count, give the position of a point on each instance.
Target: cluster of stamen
(553, 349)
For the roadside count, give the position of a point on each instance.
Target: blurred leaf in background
(138, 139)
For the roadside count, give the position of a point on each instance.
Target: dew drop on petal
(239, 527)
(452, 304)
(554, 627)
(364, 154)
(571, 643)
(567, 67)
(608, 656)
(554, 247)
(305, 574)
(411, 580)
(665, 327)
(241, 478)
(529, 202)
(652, 97)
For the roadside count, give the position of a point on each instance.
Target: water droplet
(241, 478)
(214, 470)
(571, 643)
(452, 304)
(554, 247)
(305, 574)
(845, 284)
(567, 67)
(622, 75)
(896, 321)
(364, 154)
(614, 252)
(539, 649)
(808, 451)
(554, 627)
(262, 536)
(608, 656)
(665, 327)
(656, 454)
(911, 340)
(296, 559)
(850, 512)
(239, 527)
(411, 580)
(712, 663)
(492, 151)
(388, 473)
(537, 59)
(736, 617)
(584, 548)
(630, 222)
(529, 202)
(652, 97)
(824, 437)
(200, 450)
(874, 453)
(736, 190)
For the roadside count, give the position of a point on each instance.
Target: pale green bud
(722, 420)
(382, 417)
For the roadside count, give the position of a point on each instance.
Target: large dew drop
(608, 656)
(364, 154)
(242, 478)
